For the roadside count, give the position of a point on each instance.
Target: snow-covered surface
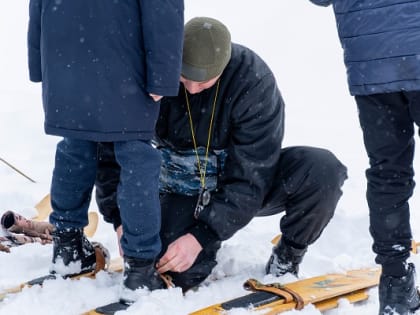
(299, 42)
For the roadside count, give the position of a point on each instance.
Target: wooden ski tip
(44, 208)
(353, 297)
(90, 229)
(415, 247)
(276, 239)
(116, 265)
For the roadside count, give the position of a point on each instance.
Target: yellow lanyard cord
(202, 171)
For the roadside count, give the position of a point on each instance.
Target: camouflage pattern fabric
(179, 172)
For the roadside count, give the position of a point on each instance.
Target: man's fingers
(166, 263)
(176, 264)
(180, 255)
(169, 255)
(163, 267)
(181, 268)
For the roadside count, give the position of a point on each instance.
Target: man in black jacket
(223, 162)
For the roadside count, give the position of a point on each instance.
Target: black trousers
(387, 121)
(307, 188)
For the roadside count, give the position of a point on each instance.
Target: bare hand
(180, 255)
(155, 97)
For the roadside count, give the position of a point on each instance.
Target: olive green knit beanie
(207, 49)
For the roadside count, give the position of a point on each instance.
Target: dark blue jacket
(381, 42)
(98, 60)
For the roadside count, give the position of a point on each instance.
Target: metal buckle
(203, 200)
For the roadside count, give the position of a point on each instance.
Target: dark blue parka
(381, 42)
(98, 60)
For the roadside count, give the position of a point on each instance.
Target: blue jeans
(137, 195)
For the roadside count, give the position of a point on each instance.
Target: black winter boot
(138, 273)
(284, 259)
(72, 253)
(398, 295)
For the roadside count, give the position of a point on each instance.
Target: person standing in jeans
(104, 66)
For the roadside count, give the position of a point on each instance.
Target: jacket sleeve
(33, 41)
(324, 3)
(252, 156)
(163, 32)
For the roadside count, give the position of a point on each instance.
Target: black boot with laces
(72, 253)
(398, 295)
(138, 274)
(284, 259)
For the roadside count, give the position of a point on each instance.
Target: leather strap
(278, 289)
(167, 279)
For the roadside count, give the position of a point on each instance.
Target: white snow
(299, 41)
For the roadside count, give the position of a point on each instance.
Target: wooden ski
(115, 265)
(322, 291)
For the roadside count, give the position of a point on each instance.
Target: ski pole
(16, 170)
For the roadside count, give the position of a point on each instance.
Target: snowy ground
(299, 42)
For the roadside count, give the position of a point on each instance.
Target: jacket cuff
(35, 78)
(204, 234)
(34, 65)
(163, 91)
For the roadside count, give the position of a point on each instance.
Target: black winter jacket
(248, 127)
